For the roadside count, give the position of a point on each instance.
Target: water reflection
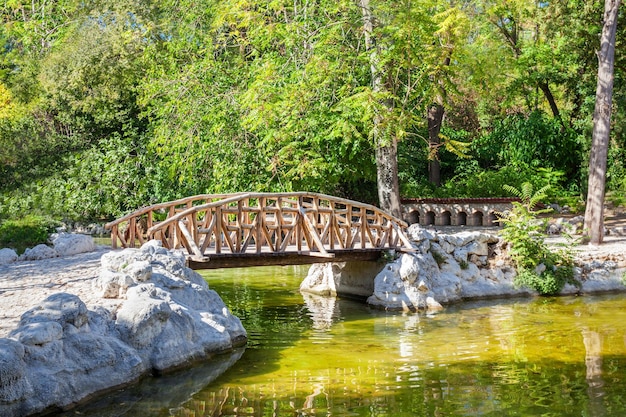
(311, 356)
(157, 396)
(593, 362)
(323, 311)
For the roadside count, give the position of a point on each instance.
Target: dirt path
(23, 285)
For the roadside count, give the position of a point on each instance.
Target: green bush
(539, 267)
(25, 233)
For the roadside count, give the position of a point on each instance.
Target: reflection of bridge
(455, 211)
(246, 229)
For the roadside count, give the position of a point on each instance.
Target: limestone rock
(418, 234)
(67, 244)
(37, 253)
(446, 269)
(7, 256)
(14, 385)
(321, 279)
(62, 352)
(404, 284)
(337, 278)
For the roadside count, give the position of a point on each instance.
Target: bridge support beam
(268, 259)
(343, 279)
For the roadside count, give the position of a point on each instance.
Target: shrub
(439, 258)
(26, 232)
(539, 266)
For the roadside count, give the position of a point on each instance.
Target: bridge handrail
(168, 204)
(241, 196)
(195, 209)
(291, 221)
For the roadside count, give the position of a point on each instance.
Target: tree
(451, 34)
(594, 212)
(385, 144)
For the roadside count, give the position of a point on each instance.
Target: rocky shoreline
(447, 268)
(130, 313)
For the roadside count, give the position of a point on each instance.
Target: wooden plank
(314, 236)
(191, 244)
(114, 236)
(405, 240)
(218, 230)
(250, 236)
(208, 232)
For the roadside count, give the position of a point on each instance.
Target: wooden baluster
(218, 230)
(279, 222)
(239, 225)
(362, 229)
(260, 225)
(193, 224)
(132, 227)
(114, 236)
(149, 223)
(298, 224)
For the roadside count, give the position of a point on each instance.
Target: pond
(310, 356)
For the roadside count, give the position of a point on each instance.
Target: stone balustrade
(455, 211)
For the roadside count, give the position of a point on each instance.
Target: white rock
(37, 253)
(38, 333)
(417, 234)
(139, 271)
(7, 256)
(460, 255)
(477, 248)
(67, 244)
(409, 269)
(62, 353)
(432, 304)
(321, 279)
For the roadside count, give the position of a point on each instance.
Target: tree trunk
(386, 146)
(435, 119)
(545, 88)
(594, 212)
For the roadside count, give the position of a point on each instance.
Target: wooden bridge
(252, 229)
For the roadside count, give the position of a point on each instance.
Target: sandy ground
(23, 285)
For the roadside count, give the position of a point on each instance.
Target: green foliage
(534, 141)
(26, 232)
(439, 258)
(106, 106)
(539, 266)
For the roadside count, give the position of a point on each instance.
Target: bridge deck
(242, 260)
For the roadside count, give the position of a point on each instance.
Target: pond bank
(144, 312)
(448, 268)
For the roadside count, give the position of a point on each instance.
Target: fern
(528, 248)
(529, 198)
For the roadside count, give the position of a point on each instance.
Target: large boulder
(61, 353)
(405, 284)
(38, 253)
(7, 256)
(67, 244)
(165, 317)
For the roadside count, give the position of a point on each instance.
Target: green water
(543, 357)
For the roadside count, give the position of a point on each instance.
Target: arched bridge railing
(262, 223)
